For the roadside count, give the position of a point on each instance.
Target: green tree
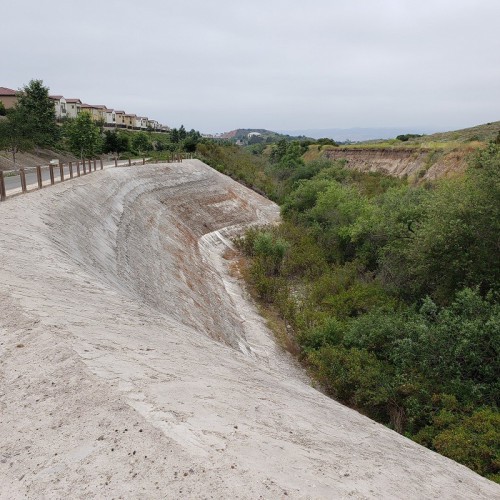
(3, 111)
(456, 244)
(141, 143)
(123, 143)
(110, 144)
(174, 136)
(13, 137)
(278, 151)
(35, 110)
(182, 133)
(84, 136)
(115, 142)
(473, 440)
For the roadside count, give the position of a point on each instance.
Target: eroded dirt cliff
(414, 163)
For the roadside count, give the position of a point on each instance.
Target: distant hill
(358, 134)
(483, 133)
(243, 134)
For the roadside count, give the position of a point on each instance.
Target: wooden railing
(62, 172)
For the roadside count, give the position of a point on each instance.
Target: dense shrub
(392, 293)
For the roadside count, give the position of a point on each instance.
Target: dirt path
(133, 366)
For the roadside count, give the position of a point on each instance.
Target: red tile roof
(71, 101)
(6, 91)
(56, 97)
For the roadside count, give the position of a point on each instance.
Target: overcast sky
(219, 65)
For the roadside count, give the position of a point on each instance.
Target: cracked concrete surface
(134, 366)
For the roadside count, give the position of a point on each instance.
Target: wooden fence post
(61, 171)
(22, 174)
(78, 169)
(39, 176)
(2, 187)
(71, 170)
(100, 160)
(129, 162)
(51, 172)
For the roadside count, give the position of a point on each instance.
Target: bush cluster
(391, 291)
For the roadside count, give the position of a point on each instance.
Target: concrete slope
(133, 366)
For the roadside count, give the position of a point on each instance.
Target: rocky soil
(132, 365)
(414, 163)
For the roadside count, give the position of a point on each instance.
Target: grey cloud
(283, 65)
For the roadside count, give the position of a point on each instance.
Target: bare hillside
(414, 163)
(134, 366)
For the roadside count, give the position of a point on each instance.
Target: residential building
(97, 111)
(129, 120)
(59, 106)
(141, 123)
(8, 97)
(110, 118)
(73, 107)
(153, 124)
(120, 119)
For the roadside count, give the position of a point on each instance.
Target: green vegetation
(484, 133)
(407, 137)
(390, 290)
(31, 122)
(36, 111)
(252, 136)
(83, 135)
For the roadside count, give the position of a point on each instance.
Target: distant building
(129, 120)
(73, 107)
(97, 111)
(110, 118)
(8, 97)
(59, 106)
(153, 125)
(120, 119)
(141, 123)
(254, 134)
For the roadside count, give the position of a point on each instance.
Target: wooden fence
(63, 172)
